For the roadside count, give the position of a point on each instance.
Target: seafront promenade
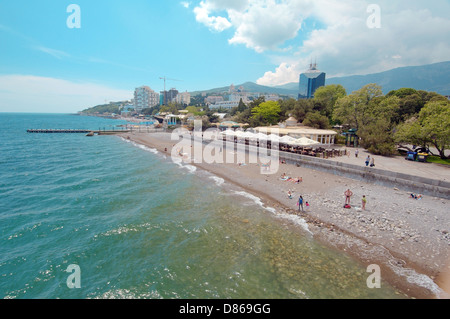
(398, 164)
(396, 172)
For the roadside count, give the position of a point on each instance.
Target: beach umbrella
(250, 136)
(239, 134)
(304, 141)
(287, 140)
(261, 137)
(273, 138)
(229, 133)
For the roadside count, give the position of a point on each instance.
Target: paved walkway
(398, 164)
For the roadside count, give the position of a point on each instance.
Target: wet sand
(409, 239)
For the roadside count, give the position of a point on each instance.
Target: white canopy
(262, 136)
(229, 133)
(287, 139)
(304, 142)
(273, 138)
(249, 135)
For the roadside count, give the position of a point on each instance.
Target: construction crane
(165, 79)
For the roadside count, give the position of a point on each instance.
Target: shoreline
(411, 258)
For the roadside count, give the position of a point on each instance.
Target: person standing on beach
(300, 203)
(348, 194)
(356, 153)
(367, 160)
(364, 202)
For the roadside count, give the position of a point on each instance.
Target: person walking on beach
(348, 194)
(300, 203)
(367, 160)
(356, 153)
(364, 202)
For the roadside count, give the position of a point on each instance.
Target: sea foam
(219, 181)
(293, 218)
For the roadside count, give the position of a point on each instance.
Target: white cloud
(34, 94)
(283, 74)
(202, 15)
(266, 25)
(259, 24)
(412, 32)
(410, 35)
(185, 4)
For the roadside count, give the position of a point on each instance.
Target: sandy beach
(409, 239)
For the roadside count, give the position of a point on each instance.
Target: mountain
(253, 88)
(432, 77)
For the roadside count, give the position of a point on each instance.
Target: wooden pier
(59, 131)
(90, 132)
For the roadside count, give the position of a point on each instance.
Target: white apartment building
(145, 97)
(183, 98)
(213, 99)
(227, 105)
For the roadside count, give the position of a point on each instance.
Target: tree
(269, 111)
(373, 115)
(377, 134)
(327, 96)
(353, 110)
(377, 137)
(412, 101)
(171, 108)
(317, 120)
(241, 107)
(430, 128)
(287, 106)
(246, 116)
(301, 108)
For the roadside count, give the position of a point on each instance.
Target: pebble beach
(408, 238)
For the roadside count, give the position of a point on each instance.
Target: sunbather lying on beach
(290, 179)
(415, 196)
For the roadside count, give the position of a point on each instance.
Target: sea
(104, 218)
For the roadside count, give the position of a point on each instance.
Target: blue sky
(47, 67)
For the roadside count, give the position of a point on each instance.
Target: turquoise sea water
(140, 226)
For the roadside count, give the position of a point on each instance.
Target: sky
(60, 58)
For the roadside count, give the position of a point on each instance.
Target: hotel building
(144, 98)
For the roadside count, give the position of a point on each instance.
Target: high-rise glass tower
(310, 81)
